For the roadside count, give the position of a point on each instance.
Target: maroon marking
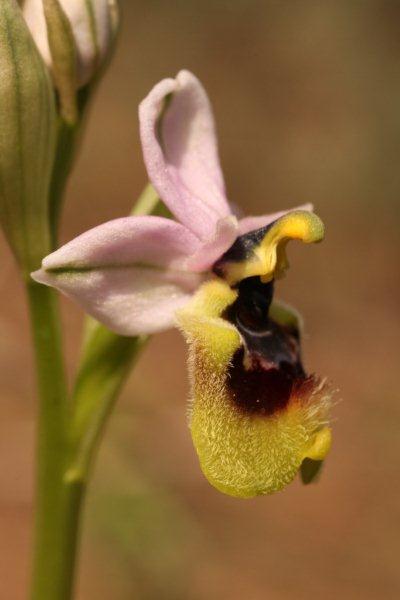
(264, 391)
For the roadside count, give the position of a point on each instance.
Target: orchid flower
(255, 416)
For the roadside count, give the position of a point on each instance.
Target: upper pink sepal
(181, 153)
(129, 273)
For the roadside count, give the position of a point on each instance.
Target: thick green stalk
(63, 161)
(67, 439)
(56, 501)
(68, 140)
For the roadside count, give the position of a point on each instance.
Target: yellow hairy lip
(243, 455)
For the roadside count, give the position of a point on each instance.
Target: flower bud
(92, 28)
(27, 135)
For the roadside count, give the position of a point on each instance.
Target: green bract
(27, 136)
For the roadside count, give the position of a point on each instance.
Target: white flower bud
(93, 24)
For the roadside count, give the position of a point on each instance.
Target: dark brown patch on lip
(258, 390)
(267, 370)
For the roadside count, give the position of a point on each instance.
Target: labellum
(256, 417)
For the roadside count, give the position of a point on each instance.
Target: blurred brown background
(307, 100)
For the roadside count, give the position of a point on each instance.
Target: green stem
(57, 501)
(69, 136)
(63, 161)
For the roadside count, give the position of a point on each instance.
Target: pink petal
(181, 156)
(129, 273)
(252, 223)
(225, 234)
